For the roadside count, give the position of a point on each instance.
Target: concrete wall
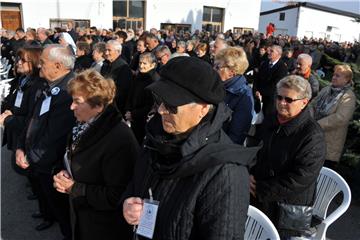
(240, 13)
(288, 26)
(314, 22)
(37, 13)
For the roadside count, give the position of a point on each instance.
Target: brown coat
(335, 125)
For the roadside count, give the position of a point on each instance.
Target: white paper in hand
(146, 226)
(67, 164)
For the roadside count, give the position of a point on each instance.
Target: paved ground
(16, 210)
(17, 224)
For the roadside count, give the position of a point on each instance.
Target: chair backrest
(5, 75)
(259, 227)
(329, 184)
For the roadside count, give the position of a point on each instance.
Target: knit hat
(188, 79)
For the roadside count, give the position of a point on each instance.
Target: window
(328, 28)
(176, 27)
(62, 23)
(213, 19)
(243, 30)
(128, 14)
(282, 16)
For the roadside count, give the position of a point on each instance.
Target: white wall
(316, 21)
(37, 13)
(288, 26)
(240, 13)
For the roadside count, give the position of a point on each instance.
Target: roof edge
(312, 6)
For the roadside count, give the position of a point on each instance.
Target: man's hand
(132, 210)
(21, 159)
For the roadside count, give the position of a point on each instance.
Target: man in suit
(116, 68)
(270, 73)
(41, 147)
(126, 54)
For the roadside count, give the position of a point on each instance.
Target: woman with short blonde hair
(234, 58)
(231, 64)
(333, 109)
(99, 160)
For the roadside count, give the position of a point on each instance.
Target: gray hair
(296, 83)
(190, 42)
(306, 57)
(277, 48)
(61, 54)
(117, 46)
(181, 44)
(149, 57)
(163, 49)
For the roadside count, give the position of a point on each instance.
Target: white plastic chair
(5, 73)
(4, 88)
(259, 227)
(329, 184)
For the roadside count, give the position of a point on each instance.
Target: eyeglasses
(160, 58)
(169, 108)
(218, 66)
(22, 60)
(287, 99)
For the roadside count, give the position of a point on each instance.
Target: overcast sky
(345, 5)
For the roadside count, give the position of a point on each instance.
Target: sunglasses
(169, 108)
(287, 99)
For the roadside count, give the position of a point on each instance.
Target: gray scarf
(329, 99)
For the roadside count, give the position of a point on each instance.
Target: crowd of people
(187, 130)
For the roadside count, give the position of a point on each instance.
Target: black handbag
(294, 217)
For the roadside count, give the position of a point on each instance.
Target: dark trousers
(54, 205)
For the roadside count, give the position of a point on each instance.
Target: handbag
(294, 217)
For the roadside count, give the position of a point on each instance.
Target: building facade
(311, 20)
(211, 15)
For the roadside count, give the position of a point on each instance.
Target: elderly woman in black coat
(190, 170)
(139, 102)
(99, 159)
(21, 99)
(284, 178)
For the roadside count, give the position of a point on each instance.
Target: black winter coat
(289, 163)
(44, 138)
(15, 124)
(141, 101)
(120, 72)
(201, 182)
(102, 165)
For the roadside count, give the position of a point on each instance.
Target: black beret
(188, 79)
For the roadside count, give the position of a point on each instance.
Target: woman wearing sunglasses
(20, 102)
(284, 178)
(190, 170)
